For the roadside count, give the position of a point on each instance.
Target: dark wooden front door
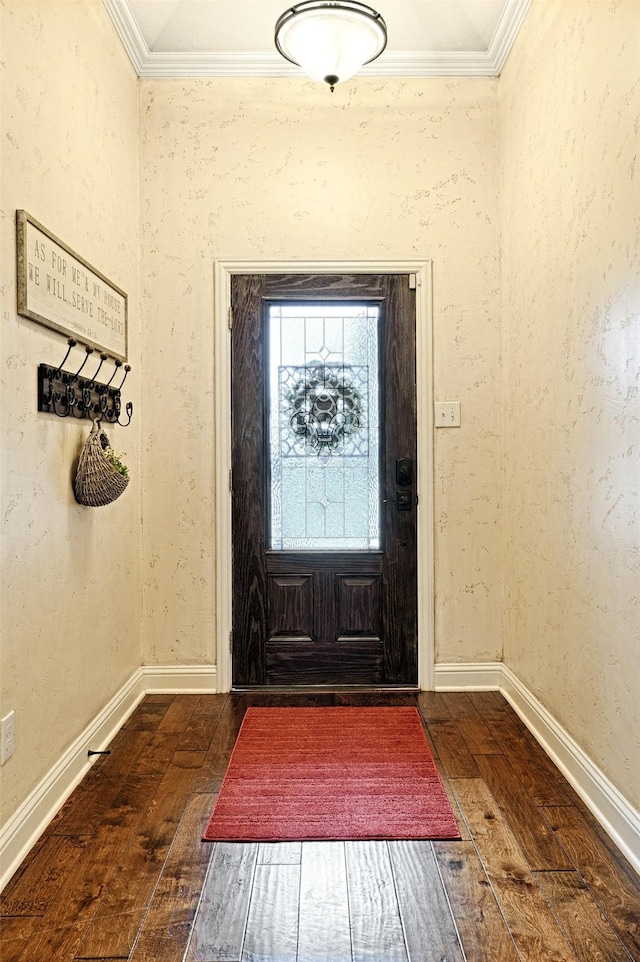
(324, 480)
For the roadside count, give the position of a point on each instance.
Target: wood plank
(432, 706)
(198, 734)
(219, 752)
(482, 928)
(279, 853)
(324, 932)
(178, 714)
(456, 759)
(112, 931)
(149, 713)
(272, 925)
(540, 779)
(465, 834)
(78, 898)
(188, 760)
(156, 757)
(53, 943)
(429, 928)
(32, 854)
(585, 926)
(165, 931)
(376, 928)
(85, 808)
(541, 848)
(600, 834)
(487, 701)
(471, 726)
(221, 918)
(15, 936)
(32, 892)
(532, 925)
(609, 877)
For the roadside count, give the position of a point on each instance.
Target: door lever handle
(403, 500)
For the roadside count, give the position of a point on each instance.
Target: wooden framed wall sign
(58, 288)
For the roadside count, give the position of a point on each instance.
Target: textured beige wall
(570, 121)
(70, 608)
(279, 169)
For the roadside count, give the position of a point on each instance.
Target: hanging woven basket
(97, 482)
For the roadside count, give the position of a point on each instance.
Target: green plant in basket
(115, 460)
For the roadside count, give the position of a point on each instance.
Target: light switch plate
(447, 414)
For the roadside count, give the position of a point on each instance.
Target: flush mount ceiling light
(330, 41)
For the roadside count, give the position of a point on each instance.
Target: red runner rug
(331, 773)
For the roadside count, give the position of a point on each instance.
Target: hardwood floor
(121, 872)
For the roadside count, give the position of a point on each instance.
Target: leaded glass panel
(324, 426)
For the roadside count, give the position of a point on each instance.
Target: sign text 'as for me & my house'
(59, 289)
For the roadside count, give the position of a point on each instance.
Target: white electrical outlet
(7, 737)
(447, 414)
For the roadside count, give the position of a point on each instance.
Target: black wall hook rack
(66, 394)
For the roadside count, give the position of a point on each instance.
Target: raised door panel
(291, 607)
(358, 607)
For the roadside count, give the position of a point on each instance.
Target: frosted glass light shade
(330, 41)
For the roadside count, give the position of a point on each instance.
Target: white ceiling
(234, 38)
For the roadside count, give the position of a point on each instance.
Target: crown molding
(150, 64)
(129, 33)
(166, 65)
(506, 33)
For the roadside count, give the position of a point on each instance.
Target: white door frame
(224, 270)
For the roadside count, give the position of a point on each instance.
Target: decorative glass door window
(324, 426)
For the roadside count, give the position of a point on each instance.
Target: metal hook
(129, 409)
(117, 365)
(89, 351)
(127, 368)
(72, 343)
(103, 358)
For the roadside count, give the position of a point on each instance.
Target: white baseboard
(469, 677)
(611, 809)
(180, 679)
(26, 826)
(618, 818)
